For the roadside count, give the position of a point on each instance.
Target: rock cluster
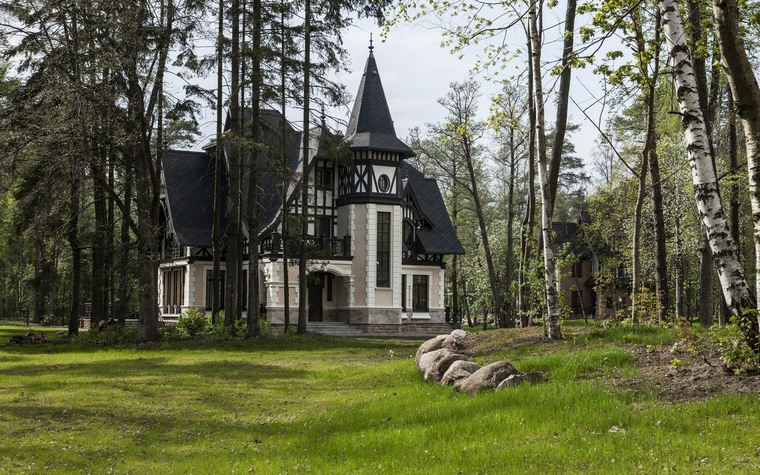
(440, 359)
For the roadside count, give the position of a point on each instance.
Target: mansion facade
(378, 229)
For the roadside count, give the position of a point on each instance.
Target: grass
(320, 405)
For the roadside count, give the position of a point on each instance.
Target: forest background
(85, 113)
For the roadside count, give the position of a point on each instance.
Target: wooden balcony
(316, 247)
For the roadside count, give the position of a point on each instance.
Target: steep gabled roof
(438, 237)
(371, 125)
(189, 178)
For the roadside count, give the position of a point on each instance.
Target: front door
(315, 297)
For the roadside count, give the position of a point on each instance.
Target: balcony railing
(324, 247)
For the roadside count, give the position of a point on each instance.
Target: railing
(316, 246)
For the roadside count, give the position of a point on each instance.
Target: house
(596, 284)
(378, 229)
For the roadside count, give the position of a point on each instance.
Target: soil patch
(673, 373)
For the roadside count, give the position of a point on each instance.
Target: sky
(415, 72)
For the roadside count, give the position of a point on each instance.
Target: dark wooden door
(315, 297)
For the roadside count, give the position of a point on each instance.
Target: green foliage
(648, 307)
(241, 327)
(688, 339)
(735, 353)
(50, 320)
(112, 335)
(192, 322)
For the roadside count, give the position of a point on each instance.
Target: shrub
(109, 336)
(735, 353)
(50, 320)
(192, 322)
(241, 327)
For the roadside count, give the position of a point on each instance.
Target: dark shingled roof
(371, 125)
(190, 185)
(190, 193)
(438, 236)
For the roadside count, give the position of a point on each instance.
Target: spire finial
(370, 43)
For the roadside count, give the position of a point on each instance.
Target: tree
(730, 271)
(548, 170)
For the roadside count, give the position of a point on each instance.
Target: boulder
(435, 363)
(458, 371)
(441, 341)
(428, 346)
(487, 377)
(459, 336)
(518, 379)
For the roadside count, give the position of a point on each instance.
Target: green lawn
(320, 405)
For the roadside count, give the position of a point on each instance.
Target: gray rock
(518, 379)
(459, 336)
(441, 341)
(428, 346)
(487, 377)
(458, 371)
(435, 363)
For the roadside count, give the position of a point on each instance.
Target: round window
(383, 183)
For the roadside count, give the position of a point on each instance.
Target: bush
(108, 336)
(50, 321)
(735, 353)
(192, 323)
(241, 327)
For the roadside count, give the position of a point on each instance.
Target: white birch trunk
(730, 272)
(547, 205)
(746, 97)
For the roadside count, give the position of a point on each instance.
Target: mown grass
(321, 405)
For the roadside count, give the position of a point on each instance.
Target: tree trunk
(216, 234)
(548, 172)
(528, 222)
(636, 283)
(253, 179)
(746, 94)
(233, 260)
(98, 244)
(731, 273)
(76, 255)
(705, 281)
(125, 247)
(508, 310)
(302, 284)
(285, 180)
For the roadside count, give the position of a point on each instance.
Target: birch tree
(730, 271)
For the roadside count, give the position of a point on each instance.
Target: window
(323, 178)
(403, 292)
(383, 249)
(174, 290)
(210, 288)
(323, 227)
(329, 287)
(383, 183)
(577, 301)
(577, 270)
(420, 293)
(408, 235)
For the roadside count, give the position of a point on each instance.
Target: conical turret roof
(371, 125)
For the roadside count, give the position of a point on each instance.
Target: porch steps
(333, 328)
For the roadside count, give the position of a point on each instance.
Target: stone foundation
(432, 328)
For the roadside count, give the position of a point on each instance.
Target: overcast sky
(416, 72)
